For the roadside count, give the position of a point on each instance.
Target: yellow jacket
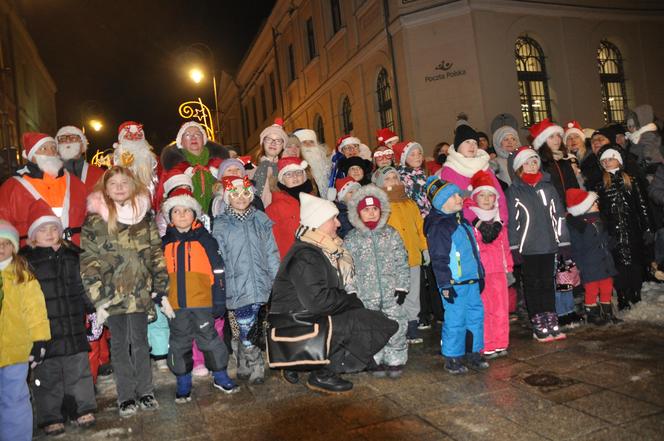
(23, 319)
(407, 220)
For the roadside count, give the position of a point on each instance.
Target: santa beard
(139, 158)
(50, 165)
(69, 150)
(320, 165)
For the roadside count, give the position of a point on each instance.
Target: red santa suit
(72, 145)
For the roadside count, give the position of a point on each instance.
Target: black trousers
(628, 280)
(198, 325)
(539, 285)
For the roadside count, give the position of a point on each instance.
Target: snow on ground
(650, 308)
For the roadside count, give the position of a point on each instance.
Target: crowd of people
(178, 261)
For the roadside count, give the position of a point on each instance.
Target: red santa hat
(184, 127)
(482, 181)
(181, 197)
(579, 201)
(573, 126)
(41, 214)
(276, 130)
(522, 155)
(286, 165)
(344, 185)
(235, 183)
(346, 140)
(385, 135)
(131, 131)
(32, 141)
(542, 130)
(177, 177)
(403, 149)
(73, 130)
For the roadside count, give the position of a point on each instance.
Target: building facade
(353, 66)
(27, 91)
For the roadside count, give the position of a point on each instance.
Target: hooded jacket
(537, 223)
(123, 268)
(406, 219)
(251, 257)
(646, 142)
(378, 254)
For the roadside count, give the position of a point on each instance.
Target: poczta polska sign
(446, 72)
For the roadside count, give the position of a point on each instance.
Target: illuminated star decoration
(200, 112)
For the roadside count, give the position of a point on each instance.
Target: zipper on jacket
(378, 269)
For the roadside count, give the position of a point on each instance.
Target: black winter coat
(346, 226)
(59, 275)
(625, 213)
(307, 281)
(562, 176)
(590, 247)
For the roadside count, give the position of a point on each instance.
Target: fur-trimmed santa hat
(482, 181)
(344, 185)
(573, 126)
(32, 141)
(181, 197)
(579, 201)
(41, 214)
(522, 155)
(73, 130)
(185, 126)
(131, 131)
(346, 140)
(542, 130)
(177, 177)
(306, 135)
(285, 165)
(385, 135)
(403, 149)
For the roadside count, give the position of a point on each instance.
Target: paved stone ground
(600, 384)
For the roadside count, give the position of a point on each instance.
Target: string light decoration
(198, 111)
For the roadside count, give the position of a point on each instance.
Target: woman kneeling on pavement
(311, 278)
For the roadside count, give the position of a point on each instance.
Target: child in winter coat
(125, 275)
(345, 187)
(273, 139)
(496, 258)
(404, 217)
(409, 157)
(537, 232)
(379, 255)
(65, 370)
(195, 271)
(459, 274)
(250, 252)
(25, 331)
(623, 206)
(590, 250)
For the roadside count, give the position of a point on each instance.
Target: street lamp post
(197, 76)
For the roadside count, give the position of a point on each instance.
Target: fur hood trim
(171, 155)
(368, 190)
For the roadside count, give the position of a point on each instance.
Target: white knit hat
(502, 132)
(314, 211)
(611, 154)
(185, 126)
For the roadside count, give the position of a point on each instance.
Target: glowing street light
(196, 75)
(96, 125)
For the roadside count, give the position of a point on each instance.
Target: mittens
(401, 296)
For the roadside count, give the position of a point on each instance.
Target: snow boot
(183, 388)
(540, 328)
(256, 364)
(454, 366)
(412, 334)
(326, 381)
(554, 328)
(607, 313)
(594, 316)
(623, 302)
(474, 360)
(243, 368)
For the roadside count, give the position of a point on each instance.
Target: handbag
(567, 276)
(297, 340)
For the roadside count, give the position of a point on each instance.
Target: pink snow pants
(198, 357)
(496, 312)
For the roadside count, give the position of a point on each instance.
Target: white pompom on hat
(573, 127)
(315, 211)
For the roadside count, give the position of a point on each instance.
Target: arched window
(346, 116)
(533, 82)
(384, 100)
(319, 128)
(612, 80)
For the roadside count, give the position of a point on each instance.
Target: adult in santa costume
(135, 153)
(72, 145)
(43, 178)
(317, 157)
(202, 159)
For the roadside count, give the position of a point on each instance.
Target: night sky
(128, 60)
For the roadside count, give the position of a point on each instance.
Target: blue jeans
(15, 408)
(564, 302)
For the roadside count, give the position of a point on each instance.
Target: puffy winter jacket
(381, 261)
(496, 256)
(414, 179)
(195, 268)
(343, 220)
(58, 273)
(562, 176)
(251, 257)
(406, 219)
(537, 223)
(454, 252)
(590, 247)
(284, 211)
(23, 318)
(123, 268)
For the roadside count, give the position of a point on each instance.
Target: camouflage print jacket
(124, 268)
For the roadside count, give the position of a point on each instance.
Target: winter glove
(511, 280)
(167, 309)
(488, 230)
(102, 313)
(37, 353)
(401, 296)
(449, 294)
(426, 258)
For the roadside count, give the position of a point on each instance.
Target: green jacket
(124, 268)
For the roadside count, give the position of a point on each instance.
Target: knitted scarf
(333, 249)
(531, 178)
(396, 193)
(467, 166)
(202, 178)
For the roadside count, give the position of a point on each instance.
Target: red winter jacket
(91, 174)
(284, 211)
